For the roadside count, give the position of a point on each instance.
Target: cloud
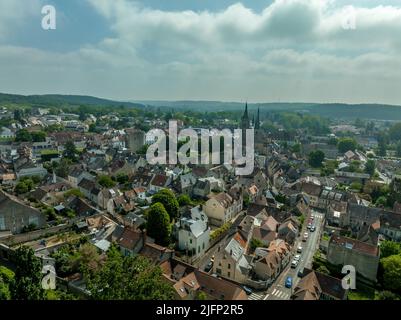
(292, 50)
(13, 14)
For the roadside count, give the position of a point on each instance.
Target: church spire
(257, 124)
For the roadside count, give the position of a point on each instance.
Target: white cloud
(293, 50)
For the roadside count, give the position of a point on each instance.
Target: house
(221, 208)
(318, 286)
(6, 133)
(159, 182)
(390, 225)
(265, 230)
(189, 282)
(192, 232)
(15, 214)
(288, 230)
(76, 175)
(157, 254)
(30, 169)
(232, 262)
(271, 261)
(363, 256)
(131, 242)
(201, 188)
(106, 199)
(140, 193)
(90, 189)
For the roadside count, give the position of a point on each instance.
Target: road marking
(266, 296)
(274, 292)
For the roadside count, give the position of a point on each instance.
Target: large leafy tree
(158, 226)
(28, 276)
(127, 278)
(70, 151)
(106, 181)
(392, 273)
(389, 248)
(316, 158)
(370, 167)
(167, 198)
(346, 144)
(6, 281)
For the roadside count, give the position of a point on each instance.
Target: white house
(6, 133)
(193, 232)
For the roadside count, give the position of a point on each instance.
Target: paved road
(278, 291)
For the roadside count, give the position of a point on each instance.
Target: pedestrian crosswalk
(278, 294)
(256, 296)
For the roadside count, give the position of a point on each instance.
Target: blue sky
(260, 50)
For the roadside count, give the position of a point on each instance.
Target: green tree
(106, 181)
(395, 132)
(184, 200)
(28, 276)
(169, 201)
(70, 151)
(158, 224)
(122, 178)
(127, 278)
(387, 295)
(256, 243)
(370, 167)
(6, 282)
(346, 144)
(356, 186)
(38, 136)
(23, 135)
(316, 158)
(392, 273)
(21, 188)
(389, 248)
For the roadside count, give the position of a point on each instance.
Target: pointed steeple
(245, 118)
(257, 124)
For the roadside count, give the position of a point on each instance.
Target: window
(2, 223)
(203, 245)
(228, 274)
(229, 266)
(190, 241)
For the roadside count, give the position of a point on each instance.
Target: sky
(256, 50)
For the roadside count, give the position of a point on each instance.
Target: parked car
(297, 257)
(305, 236)
(209, 266)
(294, 263)
(288, 282)
(300, 273)
(313, 228)
(247, 290)
(299, 249)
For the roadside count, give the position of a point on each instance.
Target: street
(278, 291)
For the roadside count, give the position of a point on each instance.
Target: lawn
(362, 292)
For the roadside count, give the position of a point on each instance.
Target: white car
(306, 236)
(299, 249)
(297, 257)
(294, 263)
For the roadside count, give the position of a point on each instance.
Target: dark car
(247, 290)
(301, 273)
(209, 266)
